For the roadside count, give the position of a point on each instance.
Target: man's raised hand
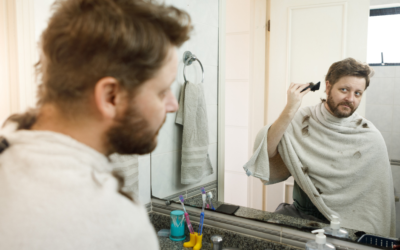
(294, 97)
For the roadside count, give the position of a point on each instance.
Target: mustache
(349, 104)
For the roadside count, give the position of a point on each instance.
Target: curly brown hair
(349, 67)
(87, 40)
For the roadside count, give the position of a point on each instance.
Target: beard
(335, 107)
(131, 134)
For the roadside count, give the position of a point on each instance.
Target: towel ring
(188, 59)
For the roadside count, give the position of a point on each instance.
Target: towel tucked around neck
(342, 165)
(126, 168)
(58, 193)
(192, 115)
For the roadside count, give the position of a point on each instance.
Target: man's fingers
(302, 87)
(305, 92)
(294, 86)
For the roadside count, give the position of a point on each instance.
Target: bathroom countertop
(231, 239)
(250, 213)
(167, 244)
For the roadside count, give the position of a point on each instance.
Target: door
(306, 37)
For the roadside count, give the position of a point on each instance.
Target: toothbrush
(210, 196)
(186, 215)
(203, 196)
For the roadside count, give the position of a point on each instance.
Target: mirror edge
(221, 101)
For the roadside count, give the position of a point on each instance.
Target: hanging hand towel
(192, 115)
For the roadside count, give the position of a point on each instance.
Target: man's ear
(107, 97)
(328, 87)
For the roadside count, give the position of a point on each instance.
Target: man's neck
(327, 108)
(84, 130)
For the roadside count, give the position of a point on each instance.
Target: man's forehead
(352, 82)
(165, 75)
(171, 68)
(170, 65)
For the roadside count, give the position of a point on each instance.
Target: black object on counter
(314, 87)
(227, 209)
(379, 241)
(359, 233)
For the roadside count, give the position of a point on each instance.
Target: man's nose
(171, 104)
(350, 97)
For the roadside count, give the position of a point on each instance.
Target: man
(338, 159)
(106, 69)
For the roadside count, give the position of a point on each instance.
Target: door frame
(221, 100)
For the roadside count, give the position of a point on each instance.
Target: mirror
(248, 70)
(167, 180)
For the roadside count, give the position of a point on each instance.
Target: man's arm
(279, 127)
(278, 168)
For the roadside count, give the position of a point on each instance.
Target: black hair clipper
(312, 86)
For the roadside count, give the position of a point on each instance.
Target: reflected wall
(166, 158)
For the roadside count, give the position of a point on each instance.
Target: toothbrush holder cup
(178, 223)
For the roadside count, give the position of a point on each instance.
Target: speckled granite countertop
(167, 244)
(284, 220)
(231, 239)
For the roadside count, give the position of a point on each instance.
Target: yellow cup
(192, 241)
(199, 242)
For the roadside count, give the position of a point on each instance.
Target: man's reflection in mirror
(338, 158)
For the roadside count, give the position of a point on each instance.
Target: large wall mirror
(251, 51)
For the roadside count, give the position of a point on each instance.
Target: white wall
(165, 160)
(237, 92)
(383, 106)
(383, 110)
(42, 13)
(5, 102)
(17, 56)
(245, 85)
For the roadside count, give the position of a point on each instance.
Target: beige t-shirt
(57, 193)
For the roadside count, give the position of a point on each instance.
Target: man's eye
(343, 89)
(358, 94)
(164, 93)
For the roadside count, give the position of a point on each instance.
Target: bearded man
(338, 158)
(106, 69)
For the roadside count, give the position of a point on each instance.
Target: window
(383, 36)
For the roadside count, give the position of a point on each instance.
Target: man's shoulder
(66, 191)
(306, 111)
(368, 125)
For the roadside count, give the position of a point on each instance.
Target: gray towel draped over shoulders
(342, 165)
